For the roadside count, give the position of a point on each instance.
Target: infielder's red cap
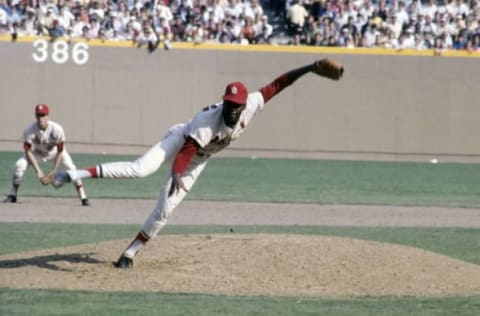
(42, 109)
(236, 92)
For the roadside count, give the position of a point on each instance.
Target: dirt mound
(259, 264)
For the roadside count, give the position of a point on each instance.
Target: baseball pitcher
(187, 147)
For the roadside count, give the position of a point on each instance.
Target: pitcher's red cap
(42, 109)
(236, 92)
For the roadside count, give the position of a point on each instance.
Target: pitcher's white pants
(161, 153)
(165, 204)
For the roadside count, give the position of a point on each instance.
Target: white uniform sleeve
(255, 105)
(59, 134)
(255, 101)
(28, 135)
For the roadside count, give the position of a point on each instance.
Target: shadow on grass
(48, 262)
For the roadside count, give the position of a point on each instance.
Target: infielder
(188, 146)
(43, 141)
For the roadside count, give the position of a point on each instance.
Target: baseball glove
(328, 68)
(46, 180)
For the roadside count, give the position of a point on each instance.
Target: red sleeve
(184, 156)
(274, 87)
(60, 147)
(277, 85)
(27, 146)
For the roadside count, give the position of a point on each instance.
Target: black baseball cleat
(10, 199)
(124, 262)
(86, 202)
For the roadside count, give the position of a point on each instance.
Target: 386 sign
(60, 52)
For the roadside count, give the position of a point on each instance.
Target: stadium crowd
(398, 24)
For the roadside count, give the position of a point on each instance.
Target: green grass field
(259, 180)
(288, 180)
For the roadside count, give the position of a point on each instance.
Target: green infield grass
(50, 303)
(286, 180)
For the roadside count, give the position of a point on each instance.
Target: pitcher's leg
(142, 167)
(158, 217)
(147, 164)
(156, 220)
(166, 205)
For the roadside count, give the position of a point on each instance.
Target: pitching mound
(293, 265)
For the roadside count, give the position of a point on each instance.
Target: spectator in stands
(366, 9)
(77, 26)
(256, 9)
(147, 36)
(27, 25)
(263, 26)
(248, 30)
(457, 7)
(429, 39)
(234, 8)
(65, 17)
(370, 35)
(341, 17)
(96, 9)
(296, 17)
(264, 37)
(429, 26)
(401, 13)
(178, 29)
(473, 44)
(429, 9)
(439, 45)
(382, 10)
(349, 27)
(224, 33)
(309, 30)
(409, 37)
(3, 14)
(317, 40)
(85, 33)
(56, 30)
(94, 28)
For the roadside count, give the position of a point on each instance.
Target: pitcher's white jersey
(209, 130)
(44, 141)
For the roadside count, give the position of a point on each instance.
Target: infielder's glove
(328, 68)
(46, 180)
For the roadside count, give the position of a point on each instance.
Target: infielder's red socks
(81, 191)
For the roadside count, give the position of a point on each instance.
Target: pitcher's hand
(177, 184)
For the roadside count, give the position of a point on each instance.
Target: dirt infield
(260, 264)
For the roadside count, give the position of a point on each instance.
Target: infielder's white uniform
(208, 129)
(43, 145)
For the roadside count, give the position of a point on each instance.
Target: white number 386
(60, 52)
